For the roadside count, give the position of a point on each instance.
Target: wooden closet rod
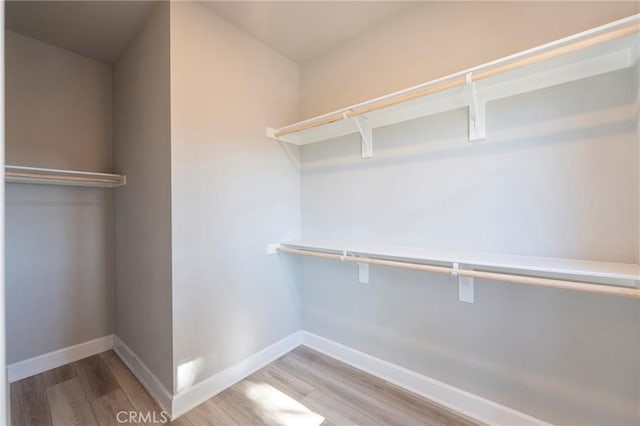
(459, 81)
(518, 279)
(62, 177)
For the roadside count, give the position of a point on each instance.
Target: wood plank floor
(302, 388)
(85, 393)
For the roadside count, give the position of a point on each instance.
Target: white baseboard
(32, 366)
(459, 400)
(200, 392)
(150, 382)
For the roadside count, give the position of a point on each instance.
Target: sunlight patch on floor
(280, 407)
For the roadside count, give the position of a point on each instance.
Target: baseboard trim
(36, 365)
(200, 392)
(456, 399)
(150, 382)
(459, 400)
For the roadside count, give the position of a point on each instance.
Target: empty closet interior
(444, 195)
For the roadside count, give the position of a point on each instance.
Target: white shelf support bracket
(477, 112)
(363, 273)
(366, 134)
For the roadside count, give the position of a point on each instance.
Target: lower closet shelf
(620, 279)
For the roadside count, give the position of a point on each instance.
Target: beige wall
(142, 124)
(434, 39)
(234, 192)
(59, 240)
(556, 176)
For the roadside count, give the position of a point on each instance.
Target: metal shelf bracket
(366, 134)
(477, 111)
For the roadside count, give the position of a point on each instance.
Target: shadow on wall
(292, 153)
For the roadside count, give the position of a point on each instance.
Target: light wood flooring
(303, 387)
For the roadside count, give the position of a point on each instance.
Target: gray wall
(636, 116)
(557, 176)
(234, 191)
(142, 124)
(59, 240)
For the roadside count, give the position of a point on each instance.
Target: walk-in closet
(321, 212)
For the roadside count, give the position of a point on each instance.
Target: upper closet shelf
(35, 175)
(597, 51)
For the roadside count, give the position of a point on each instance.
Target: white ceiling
(303, 29)
(103, 29)
(97, 29)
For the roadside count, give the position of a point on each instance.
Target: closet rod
(43, 176)
(478, 74)
(62, 178)
(518, 279)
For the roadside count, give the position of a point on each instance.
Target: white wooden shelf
(597, 51)
(619, 274)
(42, 176)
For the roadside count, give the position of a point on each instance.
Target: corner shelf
(42, 176)
(616, 275)
(597, 51)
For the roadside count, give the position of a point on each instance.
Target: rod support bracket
(477, 111)
(270, 132)
(454, 269)
(273, 248)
